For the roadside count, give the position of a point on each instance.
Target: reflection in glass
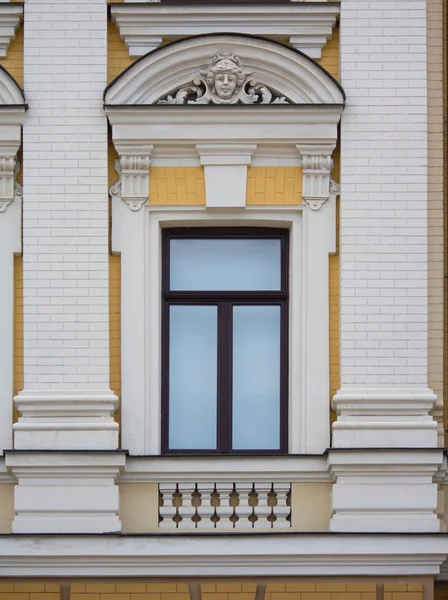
(193, 377)
(256, 377)
(228, 264)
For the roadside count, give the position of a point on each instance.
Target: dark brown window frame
(225, 301)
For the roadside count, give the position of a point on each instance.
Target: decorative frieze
(224, 505)
(133, 183)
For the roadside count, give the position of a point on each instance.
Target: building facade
(223, 310)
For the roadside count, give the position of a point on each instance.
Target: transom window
(224, 338)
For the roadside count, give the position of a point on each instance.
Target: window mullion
(225, 380)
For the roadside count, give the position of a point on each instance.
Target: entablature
(306, 26)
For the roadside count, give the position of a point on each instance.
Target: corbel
(317, 165)
(132, 167)
(9, 188)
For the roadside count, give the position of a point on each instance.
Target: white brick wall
(384, 194)
(65, 209)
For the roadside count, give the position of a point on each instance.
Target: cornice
(11, 15)
(287, 554)
(145, 25)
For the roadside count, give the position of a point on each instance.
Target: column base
(384, 491)
(69, 492)
(66, 420)
(384, 418)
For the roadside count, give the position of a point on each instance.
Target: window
(224, 340)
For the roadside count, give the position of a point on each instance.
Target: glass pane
(256, 377)
(193, 377)
(225, 264)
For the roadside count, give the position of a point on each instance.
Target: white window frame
(136, 235)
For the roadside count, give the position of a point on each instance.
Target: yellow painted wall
(330, 55)
(13, 61)
(114, 301)
(18, 329)
(30, 591)
(177, 186)
(118, 58)
(274, 185)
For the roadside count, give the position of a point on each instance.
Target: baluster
(206, 510)
(186, 510)
(282, 510)
(262, 510)
(224, 510)
(167, 511)
(243, 511)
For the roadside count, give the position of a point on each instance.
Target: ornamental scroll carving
(9, 187)
(225, 82)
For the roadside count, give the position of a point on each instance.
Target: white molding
(384, 417)
(137, 236)
(62, 419)
(260, 556)
(307, 27)
(220, 469)
(317, 165)
(66, 492)
(388, 490)
(133, 183)
(160, 73)
(11, 15)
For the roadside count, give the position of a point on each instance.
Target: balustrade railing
(223, 505)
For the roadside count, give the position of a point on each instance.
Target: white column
(67, 402)
(10, 244)
(384, 401)
(384, 398)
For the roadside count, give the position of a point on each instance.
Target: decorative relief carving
(225, 82)
(316, 179)
(133, 183)
(9, 188)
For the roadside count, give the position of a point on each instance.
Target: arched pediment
(11, 94)
(263, 72)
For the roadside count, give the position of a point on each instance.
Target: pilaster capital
(317, 165)
(133, 171)
(9, 188)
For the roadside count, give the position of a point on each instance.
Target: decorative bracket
(133, 183)
(9, 188)
(317, 165)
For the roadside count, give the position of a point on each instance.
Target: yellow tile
(6, 587)
(52, 587)
(228, 587)
(101, 588)
(44, 596)
(160, 588)
(300, 587)
(115, 596)
(316, 596)
(249, 587)
(395, 587)
(415, 587)
(208, 588)
(84, 596)
(15, 596)
(331, 587)
(275, 587)
(133, 588)
(77, 588)
(29, 587)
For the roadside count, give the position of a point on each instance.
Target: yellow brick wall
(334, 299)
(403, 591)
(274, 185)
(177, 186)
(13, 61)
(29, 591)
(129, 591)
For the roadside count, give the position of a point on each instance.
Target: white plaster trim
(384, 417)
(144, 27)
(262, 469)
(388, 490)
(61, 419)
(258, 556)
(137, 236)
(66, 492)
(10, 18)
(175, 66)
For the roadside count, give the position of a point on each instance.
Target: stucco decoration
(224, 69)
(225, 82)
